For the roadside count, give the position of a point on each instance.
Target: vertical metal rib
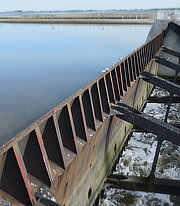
(139, 61)
(148, 53)
(100, 99)
(62, 161)
(119, 78)
(44, 154)
(72, 126)
(78, 119)
(12, 178)
(51, 143)
(145, 53)
(110, 88)
(66, 131)
(122, 69)
(115, 84)
(107, 91)
(38, 155)
(130, 68)
(134, 67)
(136, 64)
(96, 103)
(104, 96)
(83, 117)
(24, 174)
(126, 68)
(88, 110)
(142, 56)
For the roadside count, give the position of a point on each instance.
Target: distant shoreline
(95, 18)
(76, 21)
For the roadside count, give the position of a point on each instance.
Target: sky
(11, 5)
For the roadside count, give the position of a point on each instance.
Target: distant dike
(88, 18)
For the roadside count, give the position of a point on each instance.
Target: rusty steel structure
(68, 153)
(161, 128)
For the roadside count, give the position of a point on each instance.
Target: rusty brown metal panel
(84, 118)
(152, 50)
(104, 96)
(12, 182)
(24, 174)
(142, 58)
(126, 67)
(92, 106)
(2, 161)
(100, 101)
(123, 75)
(35, 158)
(106, 90)
(136, 64)
(112, 84)
(88, 110)
(146, 54)
(44, 154)
(115, 84)
(87, 169)
(155, 45)
(78, 119)
(98, 150)
(150, 56)
(66, 131)
(139, 61)
(110, 88)
(97, 103)
(130, 68)
(51, 143)
(72, 127)
(119, 80)
(60, 144)
(134, 67)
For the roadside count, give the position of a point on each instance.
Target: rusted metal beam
(164, 62)
(160, 82)
(148, 123)
(172, 26)
(171, 52)
(43, 201)
(164, 99)
(157, 185)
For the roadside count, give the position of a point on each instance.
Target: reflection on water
(42, 65)
(137, 161)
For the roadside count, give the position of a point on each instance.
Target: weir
(66, 157)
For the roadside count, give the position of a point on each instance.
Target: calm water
(42, 65)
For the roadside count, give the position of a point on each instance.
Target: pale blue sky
(9, 5)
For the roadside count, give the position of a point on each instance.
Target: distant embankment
(96, 18)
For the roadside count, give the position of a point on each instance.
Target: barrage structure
(65, 157)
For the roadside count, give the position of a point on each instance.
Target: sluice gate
(64, 157)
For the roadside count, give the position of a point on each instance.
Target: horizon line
(76, 10)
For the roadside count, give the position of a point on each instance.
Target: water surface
(42, 65)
